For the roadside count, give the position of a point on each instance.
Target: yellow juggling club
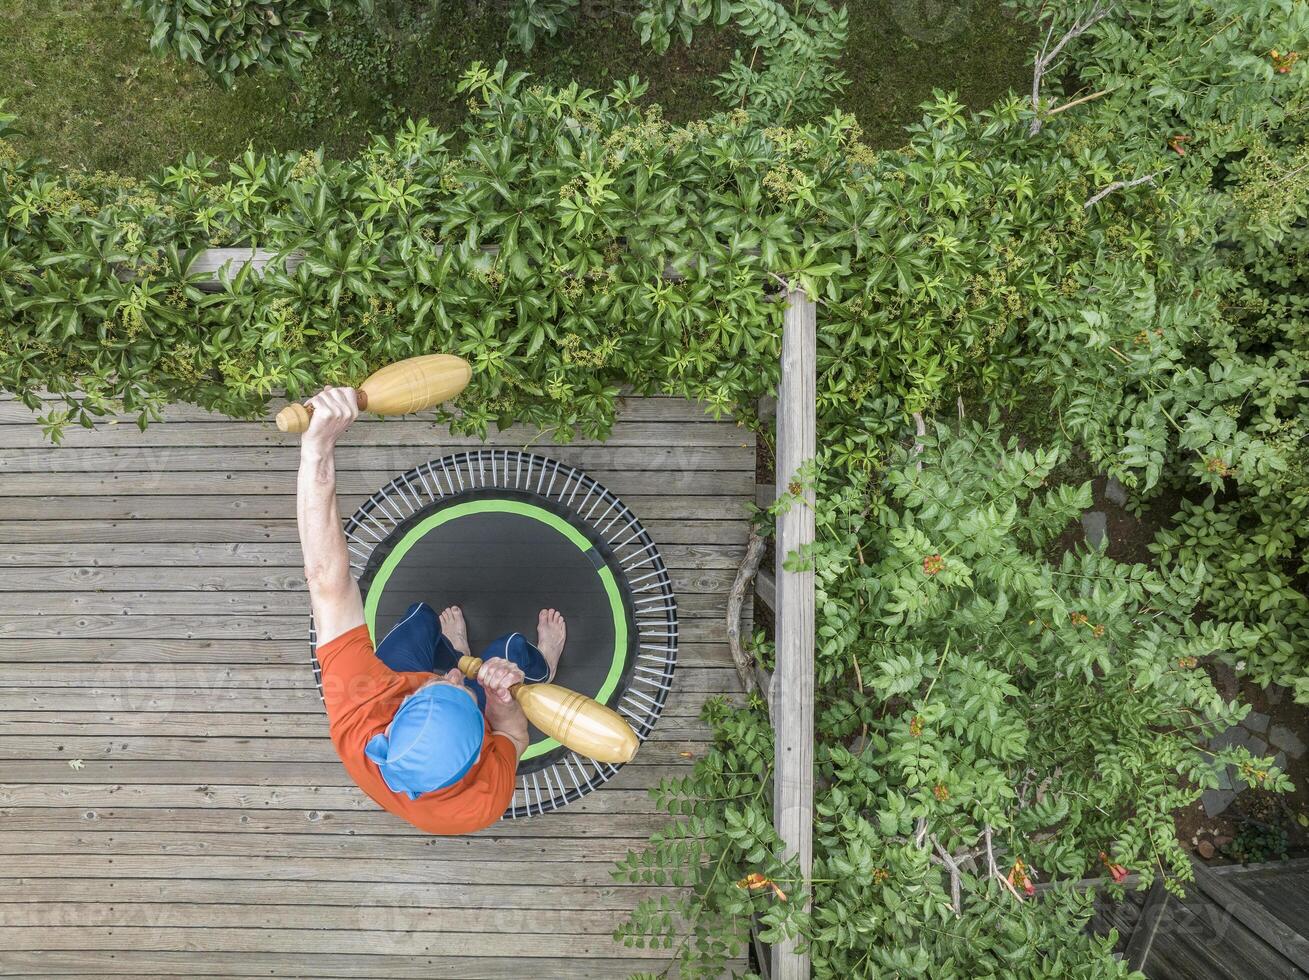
(406, 386)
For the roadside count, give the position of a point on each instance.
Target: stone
(1205, 849)
(1216, 800)
(1256, 721)
(1094, 524)
(1226, 776)
(1236, 736)
(1284, 738)
(1115, 492)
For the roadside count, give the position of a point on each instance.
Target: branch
(993, 870)
(921, 427)
(956, 902)
(1048, 55)
(745, 575)
(1120, 185)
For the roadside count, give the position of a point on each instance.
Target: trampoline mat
(503, 556)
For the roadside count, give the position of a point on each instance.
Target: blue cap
(433, 740)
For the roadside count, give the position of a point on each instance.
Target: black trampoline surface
(503, 534)
(502, 566)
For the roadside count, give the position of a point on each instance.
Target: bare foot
(452, 625)
(550, 633)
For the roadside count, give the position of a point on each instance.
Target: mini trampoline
(503, 534)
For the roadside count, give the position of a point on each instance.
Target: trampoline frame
(588, 502)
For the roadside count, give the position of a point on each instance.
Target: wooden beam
(793, 708)
(1147, 926)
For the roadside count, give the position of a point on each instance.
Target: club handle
(295, 417)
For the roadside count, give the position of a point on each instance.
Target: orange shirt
(362, 696)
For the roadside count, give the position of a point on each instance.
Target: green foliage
(232, 37)
(968, 690)
(1195, 381)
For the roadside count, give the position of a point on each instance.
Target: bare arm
(502, 711)
(333, 592)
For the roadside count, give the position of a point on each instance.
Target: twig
(921, 427)
(993, 869)
(1085, 98)
(745, 575)
(1048, 55)
(956, 901)
(1120, 185)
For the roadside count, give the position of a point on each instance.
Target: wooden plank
(95, 796)
(322, 941)
(395, 459)
(793, 707)
(1147, 926)
(765, 587)
(251, 677)
(216, 699)
(1267, 926)
(281, 506)
(21, 608)
(675, 724)
(373, 824)
(264, 554)
(95, 483)
(596, 849)
(223, 915)
(237, 627)
(417, 896)
(207, 748)
(229, 530)
(291, 579)
(295, 653)
(151, 964)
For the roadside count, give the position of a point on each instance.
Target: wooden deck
(169, 801)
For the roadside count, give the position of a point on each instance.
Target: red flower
(1116, 871)
(933, 564)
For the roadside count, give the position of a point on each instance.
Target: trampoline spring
(554, 473)
(666, 649)
(600, 500)
(518, 469)
(422, 472)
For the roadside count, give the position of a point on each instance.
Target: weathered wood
(152, 630)
(164, 652)
(237, 627)
(21, 606)
(1147, 925)
(234, 724)
(262, 554)
(1259, 920)
(284, 459)
(187, 578)
(302, 702)
(265, 507)
(495, 965)
(122, 893)
(92, 483)
(793, 708)
(229, 531)
(765, 587)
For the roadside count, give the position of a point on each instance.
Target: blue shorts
(416, 643)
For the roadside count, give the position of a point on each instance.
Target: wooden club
(406, 386)
(575, 721)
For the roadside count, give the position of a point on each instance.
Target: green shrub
(231, 37)
(976, 704)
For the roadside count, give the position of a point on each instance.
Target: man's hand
(497, 676)
(335, 409)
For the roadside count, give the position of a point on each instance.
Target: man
(423, 742)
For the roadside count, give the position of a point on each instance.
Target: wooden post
(793, 681)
